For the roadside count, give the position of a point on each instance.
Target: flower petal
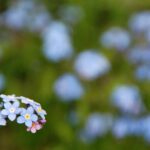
(30, 110)
(12, 117)
(5, 112)
(33, 130)
(18, 110)
(23, 111)
(20, 120)
(28, 123)
(7, 105)
(38, 127)
(16, 104)
(2, 122)
(34, 118)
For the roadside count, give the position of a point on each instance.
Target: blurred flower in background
(25, 14)
(57, 43)
(91, 65)
(68, 88)
(140, 22)
(96, 126)
(140, 55)
(127, 99)
(126, 126)
(116, 38)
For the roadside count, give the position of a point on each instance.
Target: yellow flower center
(39, 109)
(27, 116)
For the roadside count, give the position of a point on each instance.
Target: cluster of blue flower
(89, 65)
(126, 98)
(138, 38)
(31, 114)
(129, 122)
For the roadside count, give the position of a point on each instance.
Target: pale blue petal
(34, 118)
(16, 104)
(18, 110)
(23, 111)
(20, 120)
(28, 123)
(5, 112)
(7, 105)
(2, 122)
(30, 110)
(42, 116)
(12, 117)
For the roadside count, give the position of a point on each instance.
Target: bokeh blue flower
(140, 22)
(90, 64)
(57, 43)
(127, 99)
(116, 38)
(97, 125)
(68, 88)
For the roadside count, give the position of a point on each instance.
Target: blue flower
(145, 126)
(67, 87)
(120, 128)
(27, 116)
(16, 15)
(2, 120)
(139, 54)
(116, 38)
(8, 98)
(127, 99)
(90, 65)
(40, 111)
(143, 72)
(140, 22)
(37, 107)
(97, 125)
(11, 110)
(26, 14)
(57, 44)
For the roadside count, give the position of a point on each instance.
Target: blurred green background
(30, 74)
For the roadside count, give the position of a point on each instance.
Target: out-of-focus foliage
(30, 67)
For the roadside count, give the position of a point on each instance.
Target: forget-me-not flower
(11, 110)
(40, 111)
(90, 65)
(57, 44)
(143, 72)
(116, 38)
(97, 125)
(139, 55)
(127, 99)
(140, 22)
(68, 88)
(27, 117)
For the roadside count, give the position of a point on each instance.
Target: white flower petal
(12, 117)
(5, 112)
(20, 120)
